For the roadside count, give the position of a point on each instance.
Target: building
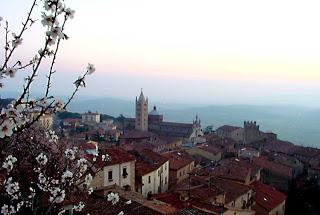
(141, 121)
(180, 165)
(153, 122)
(90, 118)
(118, 170)
(71, 123)
(252, 133)
(274, 174)
(233, 132)
(206, 151)
(267, 200)
(152, 172)
(45, 121)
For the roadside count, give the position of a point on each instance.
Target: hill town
(167, 167)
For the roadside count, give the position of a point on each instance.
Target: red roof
(280, 146)
(178, 160)
(147, 161)
(211, 148)
(228, 128)
(88, 145)
(279, 169)
(266, 196)
(117, 155)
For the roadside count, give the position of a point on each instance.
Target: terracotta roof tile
(266, 196)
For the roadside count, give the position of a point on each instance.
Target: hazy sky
(204, 51)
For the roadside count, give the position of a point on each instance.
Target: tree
(38, 171)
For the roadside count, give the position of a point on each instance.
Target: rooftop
(228, 128)
(279, 169)
(178, 159)
(266, 196)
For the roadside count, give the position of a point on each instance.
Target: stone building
(119, 170)
(141, 122)
(152, 172)
(90, 118)
(153, 122)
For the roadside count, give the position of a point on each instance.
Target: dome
(154, 112)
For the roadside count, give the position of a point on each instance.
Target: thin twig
(54, 60)
(19, 36)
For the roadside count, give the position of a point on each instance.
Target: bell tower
(141, 122)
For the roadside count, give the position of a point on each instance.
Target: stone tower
(251, 132)
(141, 113)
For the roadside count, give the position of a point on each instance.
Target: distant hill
(297, 124)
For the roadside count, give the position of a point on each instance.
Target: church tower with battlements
(141, 122)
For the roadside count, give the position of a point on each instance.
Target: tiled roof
(170, 198)
(228, 128)
(308, 152)
(232, 190)
(280, 146)
(266, 196)
(117, 155)
(315, 163)
(88, 145)
(147, 161)
(97, 204)
(206, 208)
(211, 148)
(143, 168)
(178, 159)
(279, 169)
(136, 134)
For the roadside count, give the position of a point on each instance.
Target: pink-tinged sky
(191, 51)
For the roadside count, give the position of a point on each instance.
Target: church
(152, 123)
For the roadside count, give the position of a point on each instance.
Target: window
(165, 166)
(110, 177)
(149, 179)
(165, 180)
(124, 172)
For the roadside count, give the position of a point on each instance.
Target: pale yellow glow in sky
(253, 39)
(235, 41)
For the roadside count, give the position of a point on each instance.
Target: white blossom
(8, 163)
(128, 202)
(57, 195)
(67, 176)
(12, 187)
(106, 157)
(10, 72)
(80, 82)
(16, 41)
(70, 154)
(51, 135)
(6, 210)
(82, 165)
(42, 179)
(58, 105)
(90, 190)
(6, 128)
(88, 179)
(48, 20)
(90, 68)
(42, 159)
(55, 32)
(79, 207)
(121, 213)
(69, 13)
(113, 197)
